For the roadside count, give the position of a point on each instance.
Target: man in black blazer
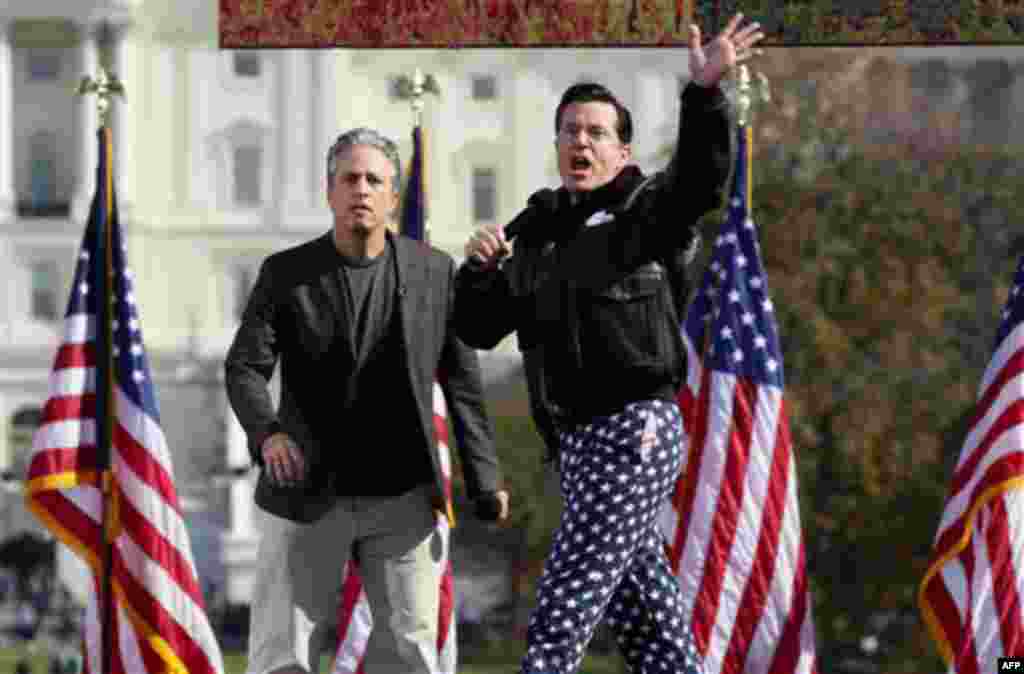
(361, 320)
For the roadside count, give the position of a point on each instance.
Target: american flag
(733, 527)
(100, 387)
(355, 621)
(971, 594)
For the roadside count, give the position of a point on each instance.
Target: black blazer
(296, 314)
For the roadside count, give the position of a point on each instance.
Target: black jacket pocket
(621, 322)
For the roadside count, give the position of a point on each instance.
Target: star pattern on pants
(607, 559)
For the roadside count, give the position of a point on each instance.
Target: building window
(23, 426)
(396, 88)
(242, 278)
(44, 65)
(248, 167)
(43, 170)
(484, 88)
(485, 194)
(45, 282)
(248, 64)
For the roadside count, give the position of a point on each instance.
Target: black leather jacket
(596, 289)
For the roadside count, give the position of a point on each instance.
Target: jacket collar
(568, 218)
(606, 197)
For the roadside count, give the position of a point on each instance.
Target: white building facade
(220, 161)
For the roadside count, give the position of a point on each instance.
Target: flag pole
(418, 80)
(416, 98)
(414, 89)
(104, 87)
(744, 95)
(421, 85)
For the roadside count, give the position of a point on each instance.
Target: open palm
(708, 63)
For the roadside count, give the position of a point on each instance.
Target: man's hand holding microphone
(488, 246)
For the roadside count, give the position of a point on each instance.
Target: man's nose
(579, 137)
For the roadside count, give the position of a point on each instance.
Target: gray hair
(363, 136)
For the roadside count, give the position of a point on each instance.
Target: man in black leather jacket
(595, 291)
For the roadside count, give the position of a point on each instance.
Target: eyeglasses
(597, 134)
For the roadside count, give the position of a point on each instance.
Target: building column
(124, 66)
(326, 125)
(240, 541)
(8, 199)
(238, 458)
(88, 125)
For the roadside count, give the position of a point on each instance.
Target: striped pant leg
(615, 475)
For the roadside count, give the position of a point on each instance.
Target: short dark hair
(591, 92)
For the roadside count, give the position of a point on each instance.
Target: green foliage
(805, 20)
(887, 284)
(887, 269)
(535, 501)
(888, 265)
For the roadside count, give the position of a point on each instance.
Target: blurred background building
(220, 160)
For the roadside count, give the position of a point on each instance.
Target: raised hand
(708, 63)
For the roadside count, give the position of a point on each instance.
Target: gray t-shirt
(371, 289)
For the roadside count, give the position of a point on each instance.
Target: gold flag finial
(105, 87)
(414, 88)
(744, 93)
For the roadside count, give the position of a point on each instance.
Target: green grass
(503, 660)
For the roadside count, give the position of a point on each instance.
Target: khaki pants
(299, 578)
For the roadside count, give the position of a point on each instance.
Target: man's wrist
(272, 429)
(476, 267)
(706, 96)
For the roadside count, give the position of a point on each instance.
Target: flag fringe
(931, 620)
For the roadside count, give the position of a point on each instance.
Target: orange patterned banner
(496, 23)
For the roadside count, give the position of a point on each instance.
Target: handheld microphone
(541, 201)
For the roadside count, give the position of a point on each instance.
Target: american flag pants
(607, 560)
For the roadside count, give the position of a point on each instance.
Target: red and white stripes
(733, 528)
(971, 594)
(160, 621)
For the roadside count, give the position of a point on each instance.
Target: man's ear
(627, 152)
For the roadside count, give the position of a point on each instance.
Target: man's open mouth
(579, 164)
